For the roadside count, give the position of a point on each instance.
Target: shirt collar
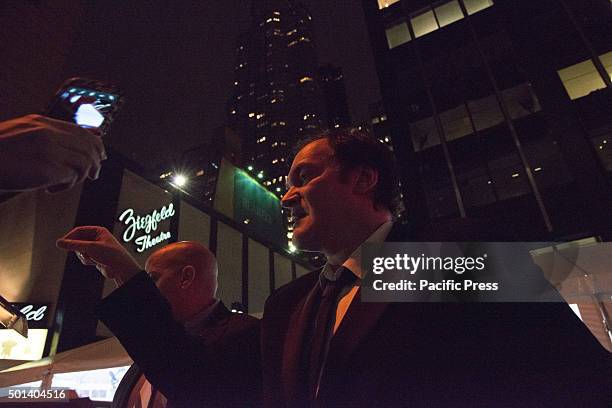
(353, 263)
(196, 322)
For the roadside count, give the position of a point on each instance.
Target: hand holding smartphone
(62, 148)
(91, 104)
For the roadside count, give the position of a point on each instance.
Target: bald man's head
(186, 275)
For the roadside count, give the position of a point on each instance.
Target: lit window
(397, 35)
(305, 79)
(606, 60)
(292, 31)
(292, 43)
(251, 114)
(385, 3)
(474, 6)
(274, 161)
(260, 115)
(448, 13)
(375, 120)
(581, 79)
(424, 24)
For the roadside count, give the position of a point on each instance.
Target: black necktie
(321, 329)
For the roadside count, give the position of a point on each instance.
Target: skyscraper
(277, 99)
(334, 93)
(500, 109)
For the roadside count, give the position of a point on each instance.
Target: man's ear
(188, 274)
(367, 179)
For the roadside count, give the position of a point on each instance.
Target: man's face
(317, 197)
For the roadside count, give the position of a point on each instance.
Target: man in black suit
(346, 352)
(192, 349)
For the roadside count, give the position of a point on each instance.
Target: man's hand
(97, 246)
(40, 152)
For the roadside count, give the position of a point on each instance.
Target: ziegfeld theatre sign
(142, 229)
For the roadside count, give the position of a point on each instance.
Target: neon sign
(147, 223)
(34, 314)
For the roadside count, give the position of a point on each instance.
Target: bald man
(187, 343)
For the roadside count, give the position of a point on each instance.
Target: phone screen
(87, 108)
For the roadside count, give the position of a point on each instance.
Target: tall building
(197, 168)
(277, 99)
(334, 93)
(500, 109)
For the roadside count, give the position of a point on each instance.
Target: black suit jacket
(219, 367)
(437, 354)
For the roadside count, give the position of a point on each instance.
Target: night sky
(175, 62)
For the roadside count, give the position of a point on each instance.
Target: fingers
(86, 233)
(73, 138)
(73, 244)
(79, 165)
(76, 133)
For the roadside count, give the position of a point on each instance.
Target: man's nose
(290, 198)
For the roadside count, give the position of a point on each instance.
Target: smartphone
(91, 104)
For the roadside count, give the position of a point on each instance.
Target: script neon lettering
(148, 223)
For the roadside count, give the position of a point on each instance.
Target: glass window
(397, 35)
(385, 3)
(229, 258)
(606, 60)
(259, 276)
(194, 224)
(521, 101)
(485, 112)
(424, 134)
(456, 123)
(474, 6)
(581, 79)
(424, 23)
(282, 270)
(448, 13)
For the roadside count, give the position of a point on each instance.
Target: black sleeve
(182, 367)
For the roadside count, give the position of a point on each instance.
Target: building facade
(334, 93)
(500, 110)
(277, 99)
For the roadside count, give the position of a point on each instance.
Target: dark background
(173, 59)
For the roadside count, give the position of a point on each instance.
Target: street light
(179, 180)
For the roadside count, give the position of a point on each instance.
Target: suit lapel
(359, 320)
(293, 372)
